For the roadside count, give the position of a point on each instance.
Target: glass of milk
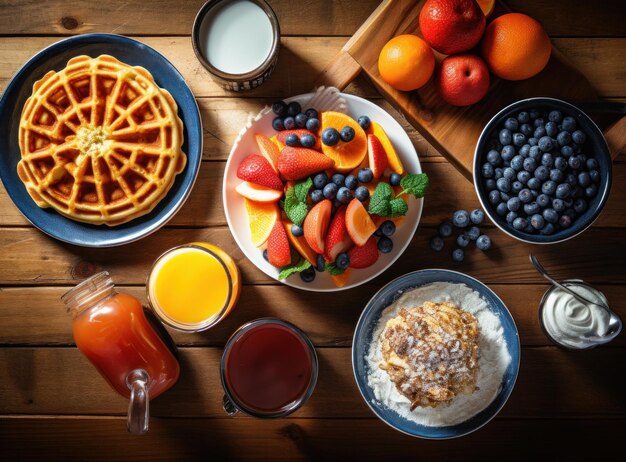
(237, 41)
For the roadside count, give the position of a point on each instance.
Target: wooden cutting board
(453, 131)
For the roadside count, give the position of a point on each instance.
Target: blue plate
(55, 57)
(363, 338)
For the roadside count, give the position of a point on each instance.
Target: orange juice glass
(194, 286)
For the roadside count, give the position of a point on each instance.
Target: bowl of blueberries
(542, 170)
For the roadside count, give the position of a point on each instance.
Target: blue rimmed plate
(367, 325)
(55, 57)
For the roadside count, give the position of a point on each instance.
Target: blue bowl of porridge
(495, 367)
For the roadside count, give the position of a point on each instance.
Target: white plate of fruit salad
(329, 207)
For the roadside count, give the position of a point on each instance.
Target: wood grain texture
(330, 323)
(61, 381)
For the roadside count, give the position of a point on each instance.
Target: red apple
(452, 26)
(462, 79)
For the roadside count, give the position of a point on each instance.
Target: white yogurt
(569, 321)
(236, 37)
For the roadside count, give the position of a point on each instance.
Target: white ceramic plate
(237, 217)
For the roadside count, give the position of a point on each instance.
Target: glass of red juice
(269, 369)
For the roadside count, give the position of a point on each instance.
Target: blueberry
(534, 183)
(477, 216)
(526, 130)
(294, 108)
(458, 255)
(520, 223)
(289, 123)
(313, 124)
(511, 124)
(530, 164)
(344, 195)
(555, 116)
(542, 173)
(385, 245)
(338, 179)
(550, 215)
(567, 151)
(279, 108)
(505, 136)
(549, 187)
(537, 221)
(330, 136)
(592, 164)
(535, 153)
(347, 134)
(574, 162)
(552, 129)
(563, 190)
(510, 217)
(330, 190)
(365, 175)
(308, 141)
(501, 209)
(565, 221)
(436, 243)
(531, 208)
(320, 180)
(351, 182)
(517, 186)
(560, 163)
(364, 122)
(583, 160)
(514, 204)
(473, 233)
(525, 196)
(543, 200)
(524, 151)
(529, 229)
(461, 218)
(311, 113)
(564, 138)
(292, 140)
(523, 176)
(594, 175)
(445, 229)
(558, 205)
(517, 163)
(571, 179)
(591, 191)
(387, 228)
(490, 184)
(577, 192)
(569, 124)
(510, 174)
(321, 263)
(308, 275)
(539, 122)
(579, 137)
(494, 158)
(362, 193)
(508, 152)
(504, 196)
(300, 120)
(523, 117)
(533, 141)
(547, 229)
(580, 205)
(483, 242)
(487, 170)
(394, 179)
(278, 124)
(265, 255)
(584, 179)
(462, 240)
(539, 132)
(546, 144)
(342, 261)
(494, 197)
(547, 160)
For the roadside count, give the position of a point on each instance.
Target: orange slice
(347, 155)
(359, 224)
(301, 245)
(486, 6)
(258, 193)
(261, 216)
(278, 144)
(392, 156)
(268, 149)
(341, 279)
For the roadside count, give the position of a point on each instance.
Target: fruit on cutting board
(516, 46)
(452, 26)
(406, 62)
(462, 80)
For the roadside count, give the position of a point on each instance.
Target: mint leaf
(302, 189)
(296, 206)
(379, 202)
(333, 270)
(287, 271)
(415, 184)
(398, 207)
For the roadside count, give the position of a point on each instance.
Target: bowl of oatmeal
(435, 354)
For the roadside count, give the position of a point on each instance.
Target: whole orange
(406, 62)
(516, 47)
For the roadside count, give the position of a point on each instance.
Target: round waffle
(100, 141)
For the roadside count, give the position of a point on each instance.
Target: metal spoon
(615, 323)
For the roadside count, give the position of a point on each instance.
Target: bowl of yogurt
(572, 323)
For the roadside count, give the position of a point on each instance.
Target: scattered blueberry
(462, 240)
(385, 245)
(394, 179)
(461, 218)
(351, 182)
(306, 140)
(483, 242)
(344, 195)
(347, 134)
(477, 216)
(313, 125)
(297, 230)
(308, 275)
(292, 140)
(330, 136)
(436, 243)
(458, 255)
(365, 175)
(330, 190)
(278, 124)
(342, 261)
(294, 108)
(364, 122)
(445, 229)
(362, 193)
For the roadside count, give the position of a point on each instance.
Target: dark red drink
(269, 368)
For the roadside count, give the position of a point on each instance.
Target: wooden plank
(241, 438)
(38, 309)
(303, 58)
(134, 17)
(61, 381)
(28, 257)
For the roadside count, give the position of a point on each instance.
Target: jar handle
(139, 407)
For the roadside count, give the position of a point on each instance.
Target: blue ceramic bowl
(363, 338)
(55, 57)
(595, 144)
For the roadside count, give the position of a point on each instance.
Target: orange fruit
(487, 6)
(395, 163)
(300, 244)
(262, 216)
(258, 193)
(406, 62)
(278, 144)
(268, 149)
(347, 155)
(359, 224)
(516, 47)
(340, 280)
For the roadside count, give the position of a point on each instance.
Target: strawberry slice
(337, 239)
(377, 156)
(364, 256)
(268, 150)
(256, 169)
(316, 225)
(278, 251)
(298, 163)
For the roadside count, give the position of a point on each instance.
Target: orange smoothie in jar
(194, 286)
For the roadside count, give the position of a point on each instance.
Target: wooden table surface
(54, 405)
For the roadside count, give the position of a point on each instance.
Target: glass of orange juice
(193, 287)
